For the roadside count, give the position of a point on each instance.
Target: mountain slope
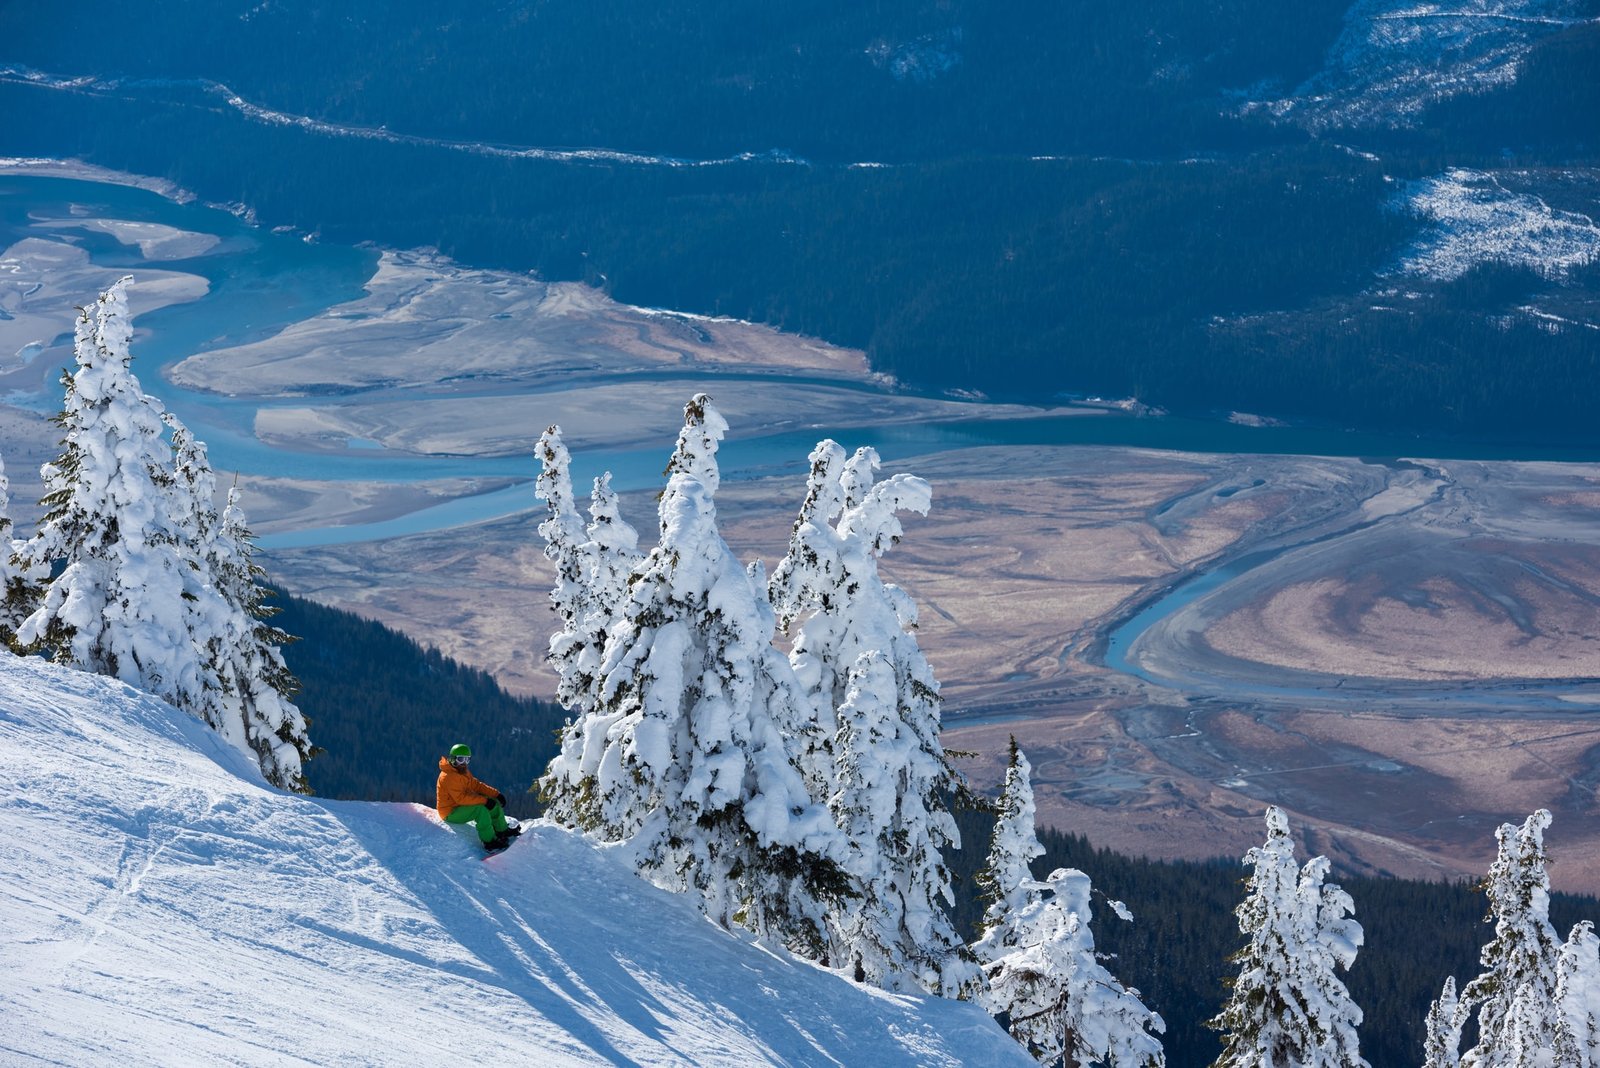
(163, 905)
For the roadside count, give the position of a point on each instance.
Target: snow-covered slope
(1395, 57)
(159, 904)
(1480, 217)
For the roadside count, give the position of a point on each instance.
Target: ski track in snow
(163, 905)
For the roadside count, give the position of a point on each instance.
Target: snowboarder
(462, 798)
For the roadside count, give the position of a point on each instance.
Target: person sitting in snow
(463, 798)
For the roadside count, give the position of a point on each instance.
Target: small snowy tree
(593, 566)
(691, 770)
(19, 582)
(1038, 953)
(860, 664)
(244, 654)
(1287, 1007)
(1578, 988)
(119, 606)
(1521, 1017)
(1005, 881)
(1441, 1043)
(1060, 1000)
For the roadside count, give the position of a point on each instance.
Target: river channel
(260, 282)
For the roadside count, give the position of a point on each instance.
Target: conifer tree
(692, 772)
(591, 588)
(1519, 1008)
(19, 582)
(859, 661)
(1038, 953)
(1446, 1017)
(1005, 881)
(593, 566)
(1060, 1001)
(1287, 1007)
(563, 534)
(118, 607)
(244, 653)
(1578, 988)
(157, 589)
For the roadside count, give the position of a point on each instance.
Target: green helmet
(460, 751)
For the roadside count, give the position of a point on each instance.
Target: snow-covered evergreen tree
(692, 771)
(158, 590)
(1287, 1007)
(802, 580)
(593, 566)
(244, 654)
(564, 540)
(1441, 1043)
(1578, 988)
(1060, 1000)
(859, 662)
(19, 582)
(1520, 1016)
(119, 605)
(1038, 953)
(1005, 881)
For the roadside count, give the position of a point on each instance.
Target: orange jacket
(457, 788)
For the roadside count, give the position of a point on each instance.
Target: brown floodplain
(1408, 655)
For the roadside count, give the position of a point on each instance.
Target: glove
(500, 798)
(492, 803)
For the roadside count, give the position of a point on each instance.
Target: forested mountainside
(829, 81)
(1208, 207)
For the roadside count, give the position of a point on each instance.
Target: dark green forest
(384, 708)
(1074, 204)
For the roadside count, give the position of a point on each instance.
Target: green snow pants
(491, 821)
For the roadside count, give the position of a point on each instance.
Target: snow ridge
(164, 905)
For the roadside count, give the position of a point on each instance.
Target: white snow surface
(160, 904)
(1475, 218)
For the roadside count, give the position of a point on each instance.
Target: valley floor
(1404, 654)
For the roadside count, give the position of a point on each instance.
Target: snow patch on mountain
(164, 905)
(1396, 57)
(1473, 217)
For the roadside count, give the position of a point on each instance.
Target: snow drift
(162, 904)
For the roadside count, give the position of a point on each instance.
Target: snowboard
(511, 825)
